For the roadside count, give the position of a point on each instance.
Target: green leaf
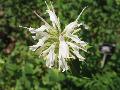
(29, 68)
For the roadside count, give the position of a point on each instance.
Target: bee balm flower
(55, 44)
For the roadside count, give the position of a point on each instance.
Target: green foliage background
(23, 70)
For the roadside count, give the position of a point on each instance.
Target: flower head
(55, 44)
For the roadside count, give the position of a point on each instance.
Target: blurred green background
(21, 69)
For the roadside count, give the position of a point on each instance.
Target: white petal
(72, 56)
(32, 30)
(53, 16)
(76, 30)
(76, 52)
(73, 37)
(40, 43)
(63, 64)
(46, 51)
(73, 45)
(77, 46)
(70, 27)
(86, 27)
(76, 39)
(33, 48)
(50, 57)
(80, 24)
(40, 34)
(34, 37)
(42, 28)
(63, 48)
(82, 43)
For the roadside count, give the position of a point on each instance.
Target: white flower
(57, 45)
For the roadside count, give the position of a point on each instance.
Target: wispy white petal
(78, 46)
(70, 27)
(73, 37)
(45, 52)
(40, 34)
(76, 39)
(63, 48)
(33, 48)
(42, 28)
(40, 43)
(86, 27)
(32, 30)
(80, 24)
(76, 52)
(73, 45)
(50, 57)
(63, 64)
(76, 30)
(82, 43)
(53, 17)
(83, 24)
(34, 37)
(72, 56)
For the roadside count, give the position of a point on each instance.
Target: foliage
(24, 70)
